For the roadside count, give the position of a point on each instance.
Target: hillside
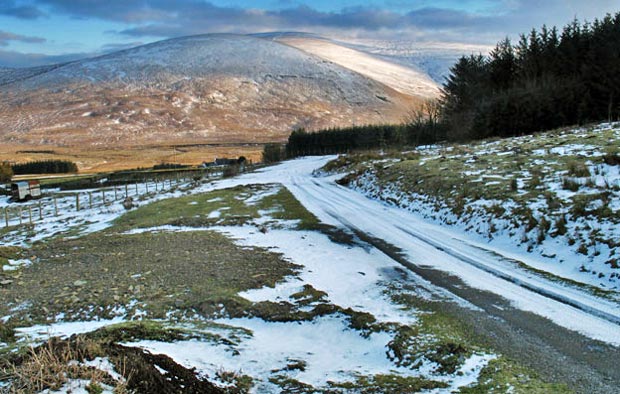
(406, 80)
(552, 199)
(200, 89)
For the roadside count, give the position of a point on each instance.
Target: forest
(45, 167)
(550, 78)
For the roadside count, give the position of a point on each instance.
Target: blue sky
(34, 32)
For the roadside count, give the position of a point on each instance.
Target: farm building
(25, 190)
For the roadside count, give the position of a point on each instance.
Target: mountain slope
(406, 80)
(200, 89)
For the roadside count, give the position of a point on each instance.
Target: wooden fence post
(136, 188)
(103, 196)
(77, 202)
(90, 200)
(40, 211)
(30, 214)
(55, 207)
(115, 194)
(126, 191)
(146, 184)
(6, 216)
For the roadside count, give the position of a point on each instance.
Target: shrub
(578, 169)
(612, 157)
(231, 171)
(560, 226)
(543, 228)
(169, 166)
(570, 184)
(514, 185)
(273, 153)
(6, 172)
(536, 179)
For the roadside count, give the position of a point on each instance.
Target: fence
(61, 203)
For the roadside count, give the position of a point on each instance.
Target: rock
(6, 282)
(79, 283)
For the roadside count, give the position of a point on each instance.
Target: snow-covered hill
(406, 80)
(432, 58)
(207, 88)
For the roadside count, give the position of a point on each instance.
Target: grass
(387, 383)
(524, 176)
(235, 206)
(177, 276)
(161, 272)
(503, 375)
(52, 365)
(447, 340)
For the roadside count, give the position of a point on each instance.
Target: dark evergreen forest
(548, 79)
(45, 167)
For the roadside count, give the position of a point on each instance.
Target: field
(94, 160)
(236, 279)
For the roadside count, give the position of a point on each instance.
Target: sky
(37, 32)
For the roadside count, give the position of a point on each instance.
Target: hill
(406, 80)
(550, 198)
(208, 89)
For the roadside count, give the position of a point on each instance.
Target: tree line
(549, 79)
(45, 167)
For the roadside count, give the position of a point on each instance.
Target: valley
(400, 208)
(382, 301)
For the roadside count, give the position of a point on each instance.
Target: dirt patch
(95, 275)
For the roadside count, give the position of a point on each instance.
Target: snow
(14, 265)
(87, 219)
(273, 345)
(331, 352)
(77, 386)
(406, 80)
(104, 364)
(349, 275)
(410, 232)
(355, 277)
(63, 329)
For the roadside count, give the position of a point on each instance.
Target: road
(565, 332)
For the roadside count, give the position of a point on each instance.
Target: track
(427, 245)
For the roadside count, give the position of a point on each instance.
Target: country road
(561, 330)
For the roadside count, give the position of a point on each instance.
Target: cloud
(10, 8)
(6, 37)
(472, 21)
(163, 18)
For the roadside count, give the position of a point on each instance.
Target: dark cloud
(6, 37)
(165, 18)
(146, 19)
(10, 8)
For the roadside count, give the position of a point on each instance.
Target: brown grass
(52, 365)
(91, 160)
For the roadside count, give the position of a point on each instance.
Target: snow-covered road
(428, 245)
